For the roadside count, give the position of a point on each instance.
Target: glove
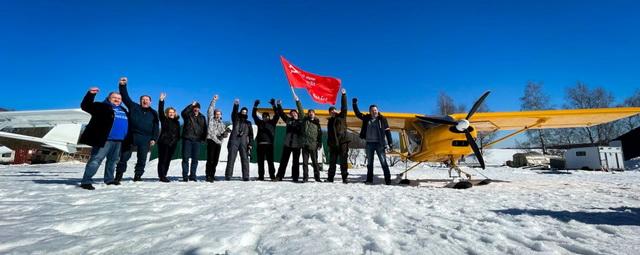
(256, 103)
(272, 101)
(354, 100)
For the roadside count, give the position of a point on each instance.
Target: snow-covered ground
(43, 211)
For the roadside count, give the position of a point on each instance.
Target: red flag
(322, 89)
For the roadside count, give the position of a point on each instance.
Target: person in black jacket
(169, 137)
(292, 143)
(265, 138)
(374, 130)
(144, 130)
(105, 132)
(338, 140)
(194, 132)
(240, 141)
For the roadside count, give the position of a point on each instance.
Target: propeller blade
(477, 104)
(437, 120)
(474, 146)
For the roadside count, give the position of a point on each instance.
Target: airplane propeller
(462, 126)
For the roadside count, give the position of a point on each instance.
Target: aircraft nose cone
(462, 125)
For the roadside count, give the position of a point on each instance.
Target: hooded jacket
(194, 127)
(216, 130)
(337, 126)
(311, 130)
(266, 128)
(294, 129)
(143, 122)
(97, 131)
(242, 130)
(170, 132)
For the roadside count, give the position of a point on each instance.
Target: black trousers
(313, 154)
(265, 151)
(236, 147)
(213, 156)
(338, 152)
(165, 153)
(284, 160)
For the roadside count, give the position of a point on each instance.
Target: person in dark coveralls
(292, 144)
(194, 132)
(265, 138)
(311, 141)
(169, 137)
(143, 130)
(216, 132)
(105, 132)
(374, 130)
(240, 141)
(338, 139)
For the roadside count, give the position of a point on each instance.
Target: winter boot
(87, 186)
(118, 178)
(137, 177)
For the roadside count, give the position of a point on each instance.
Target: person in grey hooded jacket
(216, 132)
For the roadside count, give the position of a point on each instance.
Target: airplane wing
(43, 118)
(492, 121)
(567, 118)
(65, 125)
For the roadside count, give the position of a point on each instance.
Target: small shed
(595, 158)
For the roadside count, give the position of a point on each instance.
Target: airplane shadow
(619, 216)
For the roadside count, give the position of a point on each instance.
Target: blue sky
(397, 54)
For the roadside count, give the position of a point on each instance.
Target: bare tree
(534, 98)
(445, 105)
(632, 101)
(581, 97)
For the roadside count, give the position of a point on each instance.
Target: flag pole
(295, 97)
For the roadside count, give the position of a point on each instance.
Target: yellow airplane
(449, 138)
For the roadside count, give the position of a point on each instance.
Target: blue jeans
(110, 150)
(378, 148)
(190, 150)
(142, 149)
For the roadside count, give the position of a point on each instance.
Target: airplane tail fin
(63, 137)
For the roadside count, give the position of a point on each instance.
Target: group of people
(115, 131)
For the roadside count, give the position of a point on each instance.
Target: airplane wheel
(484, 182)
(462, 185)
(405, 182)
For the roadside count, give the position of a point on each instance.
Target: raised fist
(344, 91)
(256, 103)
(236, 101)
(94, 90)
(272, 101)
(215, 97)
(123, 81)
(279, 101)
(354, 100)
(163, 96)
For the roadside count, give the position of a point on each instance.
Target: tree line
(578, 96)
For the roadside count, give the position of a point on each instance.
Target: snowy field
(43, 211)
